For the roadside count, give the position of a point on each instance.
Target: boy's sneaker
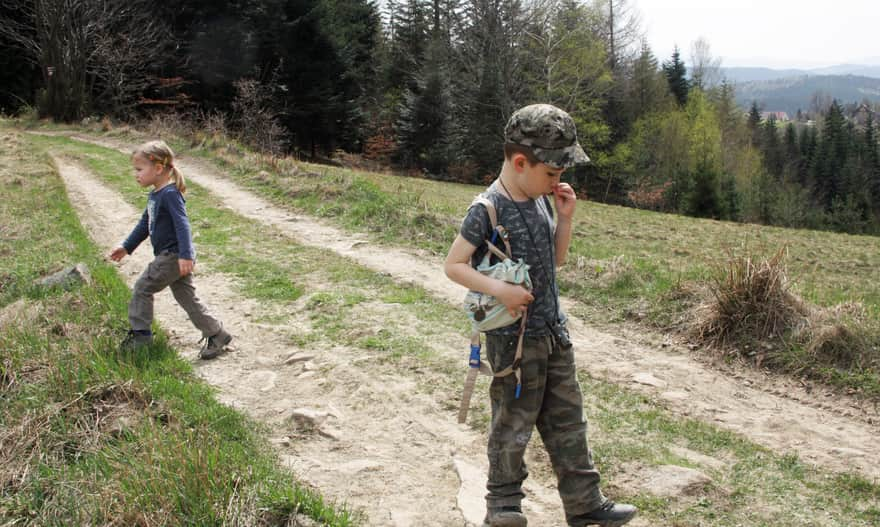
(610, 514)
(214, 345)
(134, 340)
(505, 517)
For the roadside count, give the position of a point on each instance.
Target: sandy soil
(389, 449)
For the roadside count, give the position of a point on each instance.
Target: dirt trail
(380, 444)
(781, 414)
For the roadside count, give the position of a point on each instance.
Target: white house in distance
(779, 116)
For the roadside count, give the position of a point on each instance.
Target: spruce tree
(423, 125)
(753, 122)
(831, 158)
(676, 76)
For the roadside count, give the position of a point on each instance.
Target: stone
(671, 481)
(298, 357)
(648, 380)
(470, 498)
(308, 417)
(68, 277)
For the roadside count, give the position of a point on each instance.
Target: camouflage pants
(550, 399)
(161, 273)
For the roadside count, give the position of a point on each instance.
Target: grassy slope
(623, 261)
(630, 433)
(89, 436)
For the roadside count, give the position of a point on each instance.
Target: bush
(750, 302)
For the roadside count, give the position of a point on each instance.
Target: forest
(424, 87)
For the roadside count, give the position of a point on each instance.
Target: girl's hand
(186, 266)
(514, 297)
(118, 253)
(565, 199)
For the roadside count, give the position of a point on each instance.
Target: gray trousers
(161, 273)
(550, 400)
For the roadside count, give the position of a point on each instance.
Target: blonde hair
(160, 153)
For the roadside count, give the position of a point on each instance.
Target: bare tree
(705, 69)
(621, 30)
(91, 52)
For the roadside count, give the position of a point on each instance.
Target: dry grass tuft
(91, 418)
(750, 301)
(841, 337)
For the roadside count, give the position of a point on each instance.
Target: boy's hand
(514, 297)
(118, 253)
(565, 199)
(186, 266)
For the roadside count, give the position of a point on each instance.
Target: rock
(470, 498)
(672, 481)
(298, 357)
(648, 380)
(308, 417)
(675, 395)
(68, 277)
(359, 465)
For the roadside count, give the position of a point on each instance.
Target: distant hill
(749, 74)
(793, 93)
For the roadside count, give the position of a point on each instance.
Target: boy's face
(536, 180)
(146, 172)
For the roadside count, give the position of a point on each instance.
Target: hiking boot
(610, 514)
(135, 339)
(214, 345)
(505, 517)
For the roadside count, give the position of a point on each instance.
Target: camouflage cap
(549, 132)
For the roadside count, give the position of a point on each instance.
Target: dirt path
(378, 444)
(781, 414)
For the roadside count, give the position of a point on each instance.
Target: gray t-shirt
(533, 241)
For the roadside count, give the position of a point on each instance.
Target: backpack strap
(496, 228)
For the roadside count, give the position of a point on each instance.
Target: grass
(630, 433)
(91, 436)
(624, 264)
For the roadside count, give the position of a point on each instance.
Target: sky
(770, 33)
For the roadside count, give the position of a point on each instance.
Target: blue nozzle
(474, 361)
(518, 390)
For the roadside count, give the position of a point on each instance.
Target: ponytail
(159, 152)
(178, 179)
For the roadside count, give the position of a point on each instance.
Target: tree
(753, 122)
(487, 82)
(648, 90)
(568, 67)
(676, 76)
(830, 159)
(423, 125)
(90, 52)
(705, 69)
(774, 157)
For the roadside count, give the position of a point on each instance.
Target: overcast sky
(772, 33)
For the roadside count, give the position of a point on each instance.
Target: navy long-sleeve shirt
(165, 222)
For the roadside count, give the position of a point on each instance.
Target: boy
(540, 143)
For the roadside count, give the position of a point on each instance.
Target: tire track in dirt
(384, 447)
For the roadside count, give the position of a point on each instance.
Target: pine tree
(773, 155)
(872, 160)
(753, 122)
(830, 159)
(676, 76)
(423, 125)
(648, 90)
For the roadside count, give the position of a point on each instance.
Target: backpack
(487, 313)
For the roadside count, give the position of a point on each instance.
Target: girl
(165, 222)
